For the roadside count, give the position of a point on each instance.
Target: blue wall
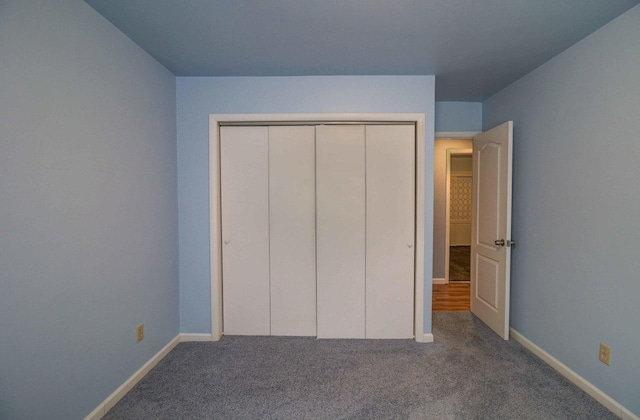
(88, 209)
(200, 96)
(458, 116)
(575, 273)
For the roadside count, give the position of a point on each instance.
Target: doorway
(491, 226)
(458, 208)
(452, 223)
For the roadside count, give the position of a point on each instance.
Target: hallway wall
(439, 196)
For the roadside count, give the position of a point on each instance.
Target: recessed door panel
(292, 200)
(340, 227)
(244, 167)
(488, 160)
(488, 271)
(390, 208)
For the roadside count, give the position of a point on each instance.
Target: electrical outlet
(139, 333)
(605, 354)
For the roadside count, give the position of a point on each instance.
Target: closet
(318, 228)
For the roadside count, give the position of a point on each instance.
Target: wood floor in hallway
(454, 296)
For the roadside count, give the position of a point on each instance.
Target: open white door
(491, 227)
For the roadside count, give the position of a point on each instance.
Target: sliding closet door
(292, 201)
(340, 184)
(390, 192)
(244, 166)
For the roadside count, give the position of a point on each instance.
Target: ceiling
(474, 47)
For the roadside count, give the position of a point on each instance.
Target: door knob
(499, 242)
(410, 245)
(511, 243)
(227, 242)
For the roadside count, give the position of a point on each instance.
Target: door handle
(511, 243)
(499, 242)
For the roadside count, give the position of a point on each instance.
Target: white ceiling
(474, 47)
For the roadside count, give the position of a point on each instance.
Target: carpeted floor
(468, 372)
(459, 263)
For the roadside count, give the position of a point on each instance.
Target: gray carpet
(469, 372)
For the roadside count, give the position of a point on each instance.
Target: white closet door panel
(244, 166)
(340, 210)
(292, 201)
(390, 160)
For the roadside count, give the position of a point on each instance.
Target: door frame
(215, 238)
(447, 207)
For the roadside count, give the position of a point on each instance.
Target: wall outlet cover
(605, 354)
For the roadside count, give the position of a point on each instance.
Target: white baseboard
(424, 338)
(611, 404)
(117, 395)
(439, 280)
(184, 337)
(626, 414)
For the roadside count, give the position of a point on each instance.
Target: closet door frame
(217, 120)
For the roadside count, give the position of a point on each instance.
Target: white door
(390, 210)
(292, 217)
(340, 227)
(491, 227)
(244, 171)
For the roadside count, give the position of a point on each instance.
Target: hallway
(451, 297)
